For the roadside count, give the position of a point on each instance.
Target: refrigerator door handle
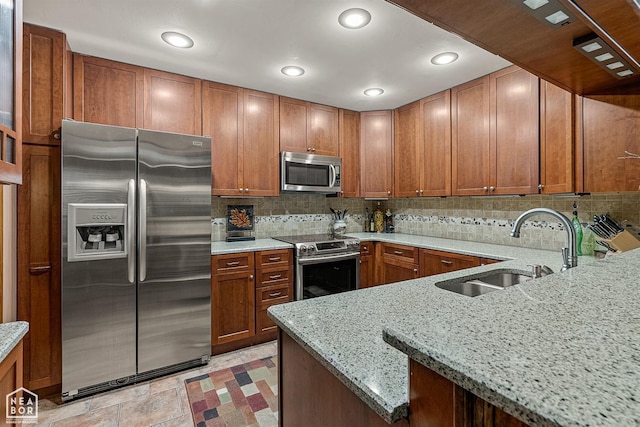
(131, 226)
(142, 274)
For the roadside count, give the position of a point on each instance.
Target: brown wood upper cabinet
(422, 147)
(611, 144)
(376, 154)
(11, 90)
(172, 103)
(495, 146)
(243, 125)
(349, 124)
(557, 125)
(107, 92)
(46, 98)
(308, 127)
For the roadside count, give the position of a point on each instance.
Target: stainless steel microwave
(310, 173)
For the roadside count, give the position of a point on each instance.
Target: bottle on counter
(367, 221)
(576, 225)
(378, 220)
(388, 222)
(588, 241)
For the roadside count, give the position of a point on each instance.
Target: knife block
(623, 242)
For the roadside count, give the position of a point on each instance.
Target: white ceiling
(246, 43)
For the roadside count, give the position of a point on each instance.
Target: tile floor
(160, 402)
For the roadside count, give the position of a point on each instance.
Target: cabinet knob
(308, 148)
(57, 136)
(246, 190)
(485, 189)
(313, 150)
(240, 190)
(540, 187)
(492, 188)
(417, 191)
(364, 248)
(251, 277)
(415, 270)
(389, 192)
(421, 191)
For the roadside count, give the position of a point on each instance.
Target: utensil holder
(623, 242)
(339, 227)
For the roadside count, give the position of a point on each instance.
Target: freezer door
(98, 297)
(174, 269)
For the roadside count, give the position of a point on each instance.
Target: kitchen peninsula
(560, 350)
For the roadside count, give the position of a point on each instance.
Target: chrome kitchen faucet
(570, 254)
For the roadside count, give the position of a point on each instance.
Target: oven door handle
(333, 176)
(328, 258)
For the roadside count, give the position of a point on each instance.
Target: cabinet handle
(485, 189)
(40, 269)
(233, 263)
(275, 294)
(398, 252)
(492, 188)
(275, 276)
(274, 259)
(540, 187)
(445, 262)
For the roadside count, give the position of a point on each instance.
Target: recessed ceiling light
(535, 4)
(604, 57)
(374, 91)
(615, 65)
(444, 58)
(177, 39)
(557, 18)
(354, 18)
(292, 70)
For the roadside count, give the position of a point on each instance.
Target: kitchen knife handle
(142, 274)
(131, 226)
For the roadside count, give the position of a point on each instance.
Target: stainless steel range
(324, 264)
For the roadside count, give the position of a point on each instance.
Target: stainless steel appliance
(136, 255)
(310, 173)
(324, 264)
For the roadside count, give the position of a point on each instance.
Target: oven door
(326, 275)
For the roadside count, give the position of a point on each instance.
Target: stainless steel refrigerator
(136, 255)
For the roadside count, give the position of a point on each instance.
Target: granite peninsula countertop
(561, 350)
(10, 335)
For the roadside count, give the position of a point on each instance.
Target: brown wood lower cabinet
(243, 286)
(311, 396)
(437, 262)
(367, 264)
(436, 401)
(10, 378)
(399, 262)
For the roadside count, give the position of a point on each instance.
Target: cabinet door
(514, 132)
(39, 265)
(376, 151)
(407, 153)
(107, 92)
(44, 83)
(323, 130)
(366, 272)
(349, 124)
(260, 155)
(11, 92)
(232, 307)
(294, 125)
(222, 115)
(397, 271)
(172, 103)
(611, 143)
(557, 120)
(470, 138)
(436, 145)
(437, 262)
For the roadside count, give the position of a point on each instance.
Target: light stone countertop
(10, 335)
(219, 248)
(560, 350)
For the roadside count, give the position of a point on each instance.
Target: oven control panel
(312, 249)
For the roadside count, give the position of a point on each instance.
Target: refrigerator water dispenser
(97, 231)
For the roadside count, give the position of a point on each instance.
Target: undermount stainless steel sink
(473, 286)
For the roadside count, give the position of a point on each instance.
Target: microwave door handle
(142, 228)
(131, 226)
(333, 176)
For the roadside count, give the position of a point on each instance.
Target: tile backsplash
(482, 219)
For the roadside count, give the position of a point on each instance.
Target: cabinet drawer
(274, 276)
(232, 263)
(366, 248)
(278, 257)
(403, 253)
(264, 324)
(436, 262)
(276, 294)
